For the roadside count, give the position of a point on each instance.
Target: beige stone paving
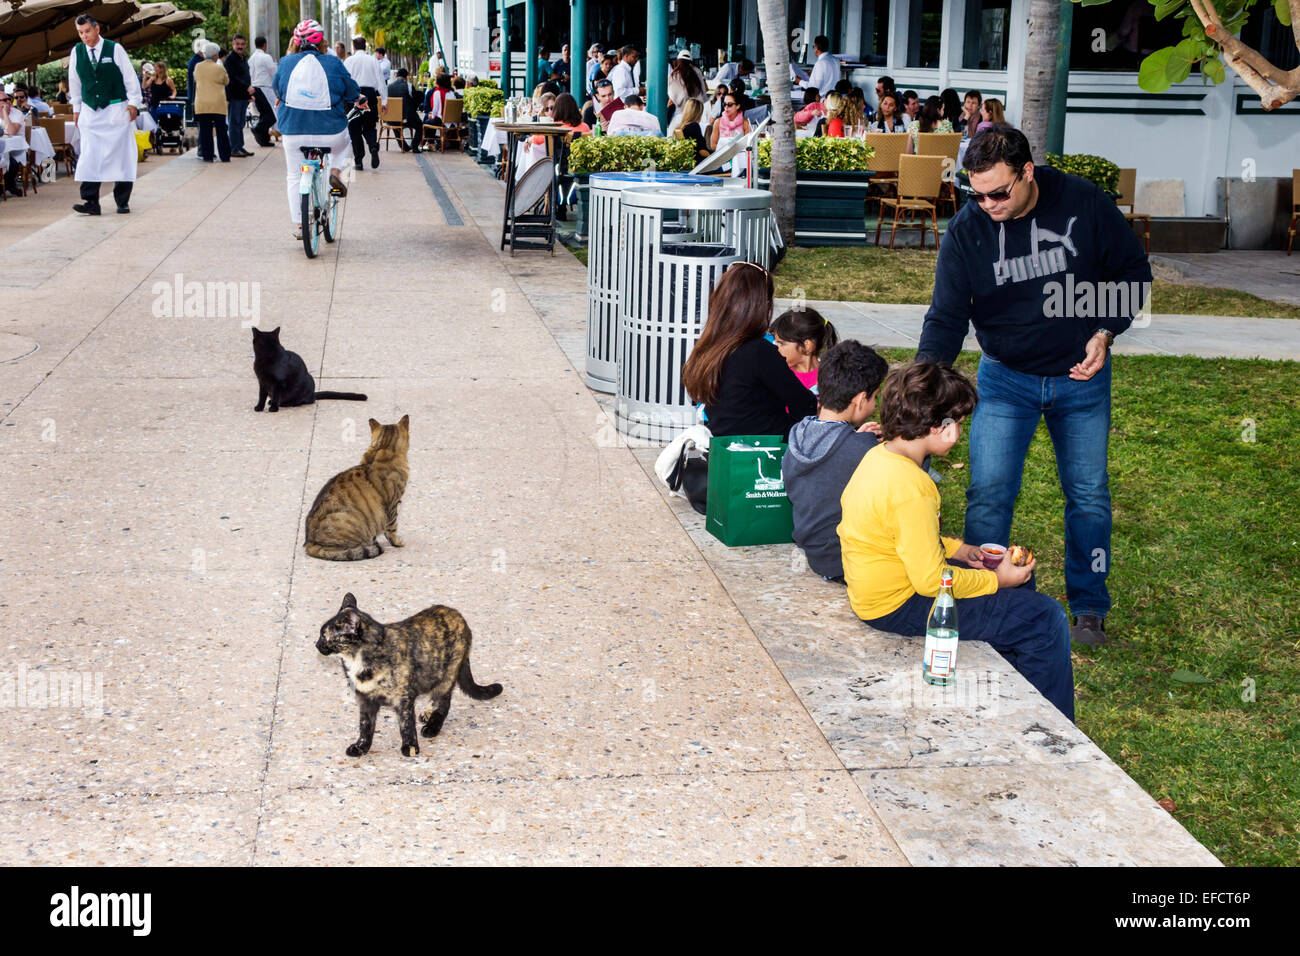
(152, 536)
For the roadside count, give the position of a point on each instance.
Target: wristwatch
(1110, 336)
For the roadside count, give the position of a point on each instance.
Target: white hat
(685, 55)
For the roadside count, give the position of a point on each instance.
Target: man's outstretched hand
(1093, 359)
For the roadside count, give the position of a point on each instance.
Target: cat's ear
(374, 426)
(349, 600)
(406, 424)
(275, 331)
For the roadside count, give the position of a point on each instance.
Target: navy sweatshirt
(1037, 287)
(758, 394)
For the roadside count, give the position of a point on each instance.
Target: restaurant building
(1196, 133)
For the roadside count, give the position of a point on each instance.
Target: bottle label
(940, 654)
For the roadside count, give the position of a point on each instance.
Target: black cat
(282, 375)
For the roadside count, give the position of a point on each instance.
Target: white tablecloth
(17, 146)
(493, 138)
(72, 136)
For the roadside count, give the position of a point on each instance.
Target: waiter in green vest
(105, 95)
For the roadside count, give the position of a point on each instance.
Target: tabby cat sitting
(356, 506)
(393, 664)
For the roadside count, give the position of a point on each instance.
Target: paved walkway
(153, 539)
(1270, 274)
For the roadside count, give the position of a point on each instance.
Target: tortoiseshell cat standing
(393, 664)
(356, 506)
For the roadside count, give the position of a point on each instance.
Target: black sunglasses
(730, 103)
(997, 195)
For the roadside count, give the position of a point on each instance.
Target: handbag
(690, 476)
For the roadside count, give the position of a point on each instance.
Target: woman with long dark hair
(745, 385)
(952, 109)
(929, 120)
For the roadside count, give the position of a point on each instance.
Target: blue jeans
(1078, 421)
(237, 115)
(1027, 628)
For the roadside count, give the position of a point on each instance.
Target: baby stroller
(170, 116)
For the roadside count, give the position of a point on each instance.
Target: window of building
(875, 32)
(1275, 42)
(1119, 35)
(988, 34)
(923, 33)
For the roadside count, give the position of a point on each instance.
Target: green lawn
(1203, 580)
(906, 277)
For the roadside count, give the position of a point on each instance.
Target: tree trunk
(775, 26)
(1040, 74)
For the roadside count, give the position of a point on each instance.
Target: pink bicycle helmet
(309, 31)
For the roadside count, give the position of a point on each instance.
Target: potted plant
(830, 188)
(481, 103)
(1100, 172)
(624, 154)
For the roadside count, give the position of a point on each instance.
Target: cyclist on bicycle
(313, 93)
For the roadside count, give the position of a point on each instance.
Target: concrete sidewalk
(1205, 336)
(153, 541)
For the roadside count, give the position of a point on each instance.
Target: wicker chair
(392, 122)
(946, 145)
(919, 179)
(452, 128)
(884, 163)
(1127, 187)
(63, 151)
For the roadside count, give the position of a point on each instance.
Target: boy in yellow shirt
(893, 552)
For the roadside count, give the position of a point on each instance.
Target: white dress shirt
(261, 69)
(635, 122)
(365, 69)
(726, 73)
(123, 62)
(825, 74)
(624, 80)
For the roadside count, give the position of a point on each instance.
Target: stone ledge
(1031, 787)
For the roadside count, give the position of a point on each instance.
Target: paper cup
(992, 555)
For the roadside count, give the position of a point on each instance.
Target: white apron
(108, 150)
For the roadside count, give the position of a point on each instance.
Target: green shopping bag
(747, 503)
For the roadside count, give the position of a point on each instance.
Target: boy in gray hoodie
(825, 449)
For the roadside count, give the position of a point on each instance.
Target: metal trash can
(602, 263)
(664, 287)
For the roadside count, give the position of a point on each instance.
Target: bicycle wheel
(330, 219)
(310, 232)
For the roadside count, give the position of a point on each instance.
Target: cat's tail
(466, 681)
(372, 550)
(346, 396)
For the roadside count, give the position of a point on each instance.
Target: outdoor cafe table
(517, 224)
(16, 146)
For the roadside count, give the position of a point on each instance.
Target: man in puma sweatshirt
(1047, 270)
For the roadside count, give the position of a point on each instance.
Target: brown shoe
(336, 185)
(1088, 629)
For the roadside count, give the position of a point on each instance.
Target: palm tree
(1040, 73)
(774, 24)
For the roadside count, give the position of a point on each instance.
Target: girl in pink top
(801, 336)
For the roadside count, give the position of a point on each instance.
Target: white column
(852, 42)
(1016, 45)
(271, 27)
(952, 39)
(899, 16)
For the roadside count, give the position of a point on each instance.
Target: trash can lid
(679, 197)
(652, 176)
